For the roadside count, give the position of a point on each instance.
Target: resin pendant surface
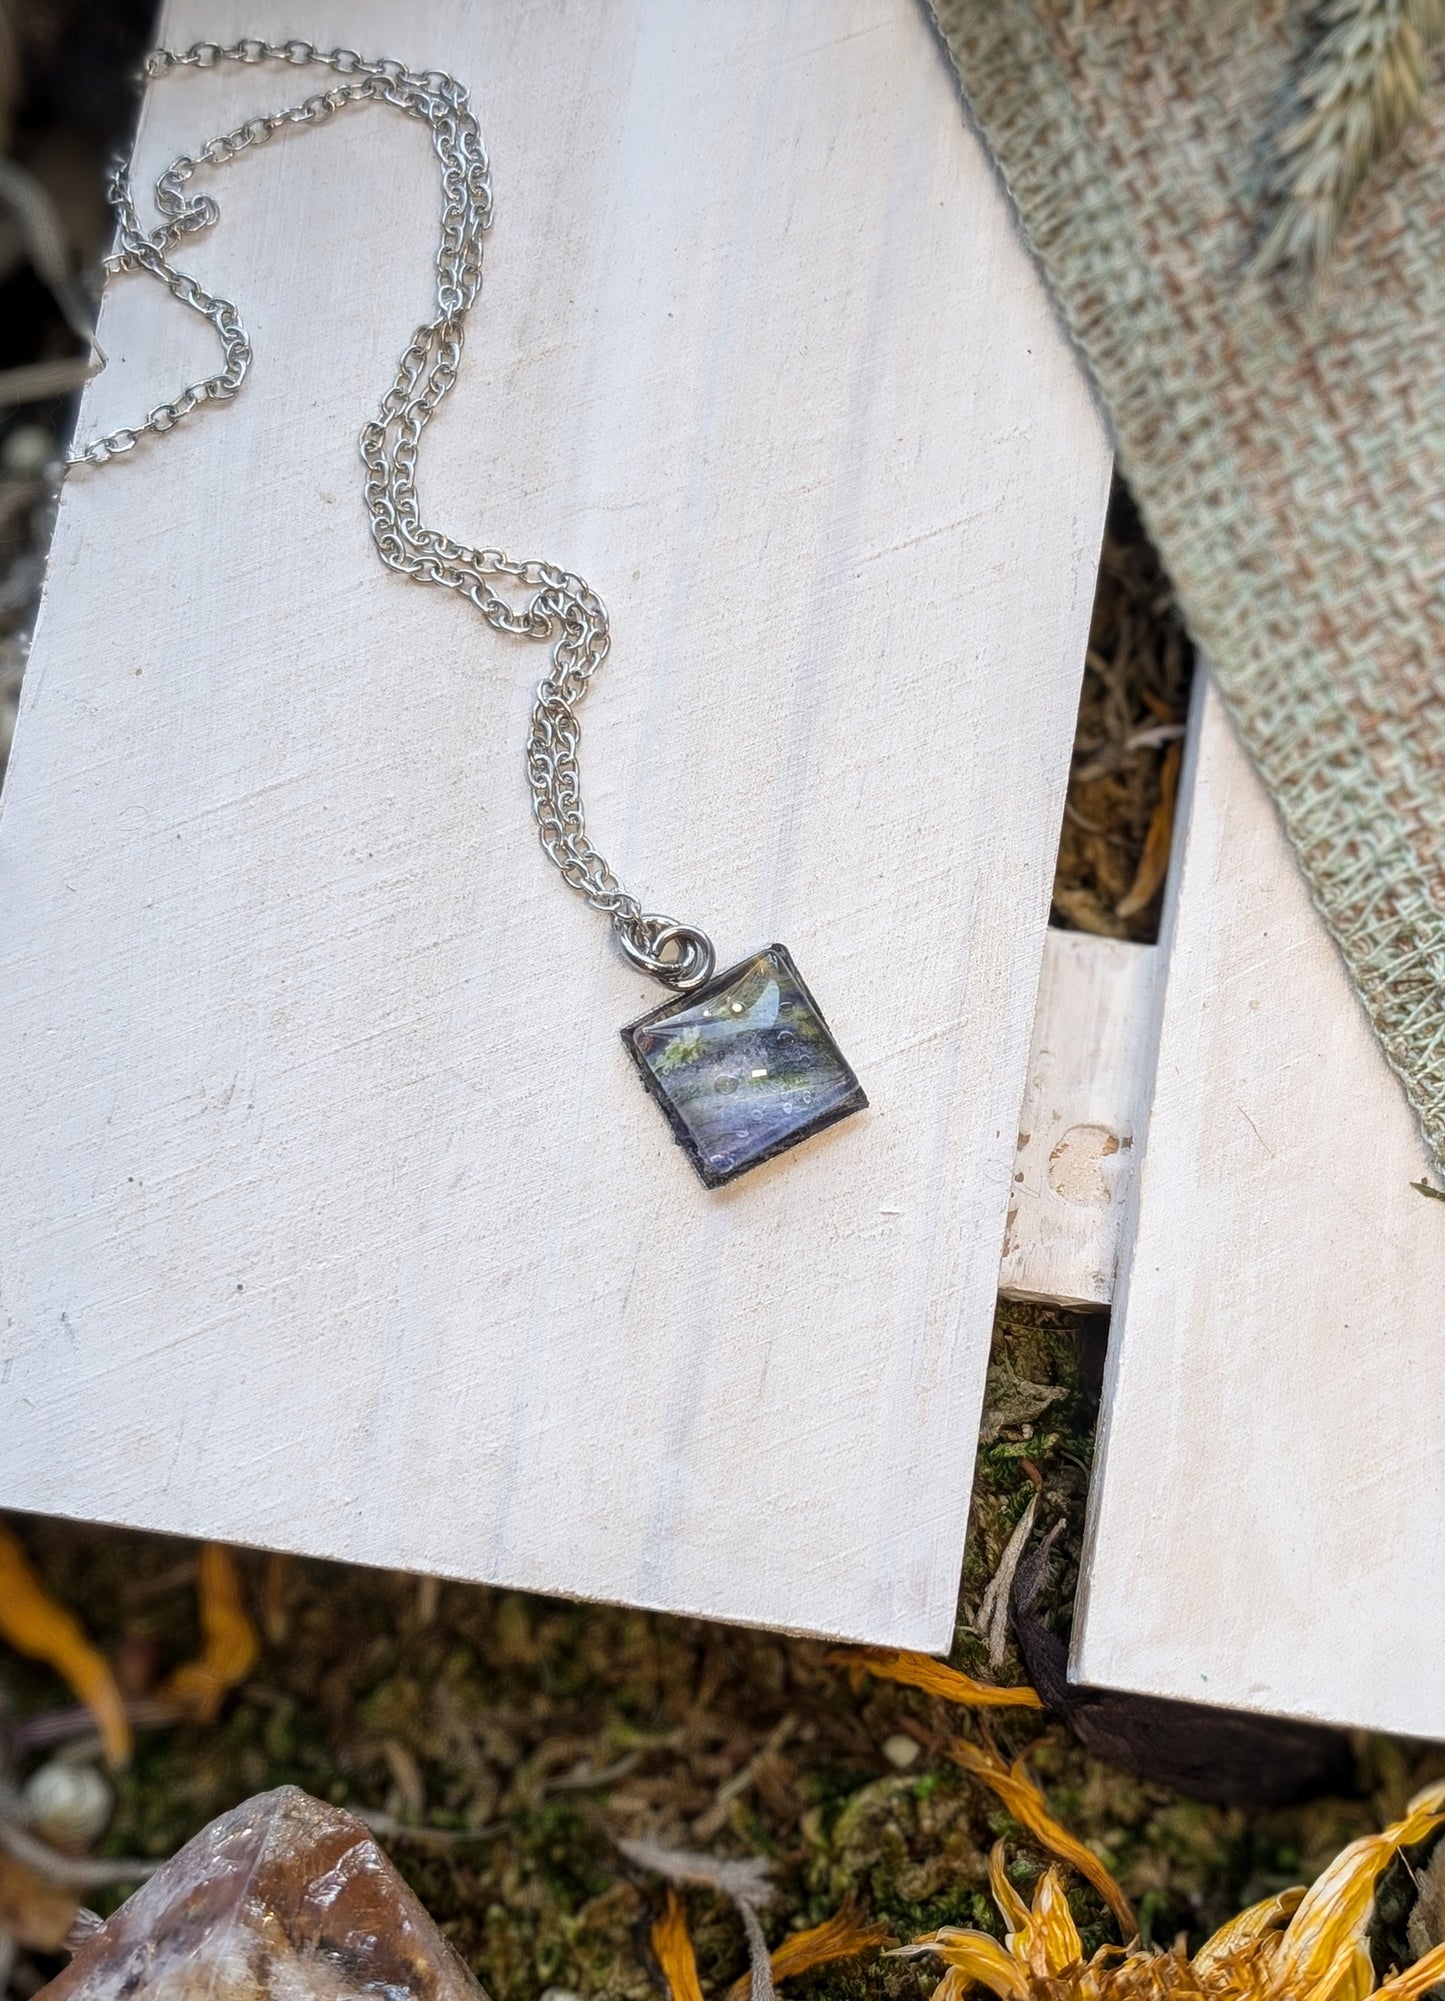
(744, 1067)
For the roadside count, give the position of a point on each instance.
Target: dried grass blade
(33, 1912)
(745, 1881)
(72, 1872)
(992, 1617)
(1154, 861)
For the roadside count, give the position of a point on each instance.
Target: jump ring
(647, 940)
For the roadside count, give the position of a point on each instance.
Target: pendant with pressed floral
(744, 1067)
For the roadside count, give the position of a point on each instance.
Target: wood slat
(1085, 1101)
(1268, 1519)
(336, 1219)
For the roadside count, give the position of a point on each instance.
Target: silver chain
(562, 609)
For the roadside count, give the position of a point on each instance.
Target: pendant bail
(679, 955)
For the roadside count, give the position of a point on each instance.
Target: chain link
(562, 608)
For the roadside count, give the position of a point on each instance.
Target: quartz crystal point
(281, 1899)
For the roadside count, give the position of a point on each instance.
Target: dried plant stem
(1360, 81)
(71, 1872)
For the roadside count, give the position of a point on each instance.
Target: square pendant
(744, 1067)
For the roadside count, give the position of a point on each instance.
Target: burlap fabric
(1288, 452)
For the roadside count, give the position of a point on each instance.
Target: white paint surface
(1268, 1517)
(1087, 1095)
(336, 1218)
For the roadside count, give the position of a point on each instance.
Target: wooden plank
(336, 1219)
(1268, 1520)
(1086, 1096)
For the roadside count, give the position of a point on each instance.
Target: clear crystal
(281, 1899)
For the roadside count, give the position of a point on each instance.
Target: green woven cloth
(1288, 453)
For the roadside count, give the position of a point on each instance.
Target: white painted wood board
(1268, 1514)
(336, 1218)
(1087, 1094)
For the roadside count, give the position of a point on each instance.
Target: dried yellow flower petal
(843, 1936)
(1048, 1941)
(1317, 1960)
(920, 1671)
(1010, 1903)
(1028, 1805)
(230, 1647)
(1417, 1979)
(970, 1957)
(1297, 1946)
(671, 1943)
(1244, 1931)
(1358, 1978)
(34, 1624)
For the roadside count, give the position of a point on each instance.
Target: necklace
(741, 1062)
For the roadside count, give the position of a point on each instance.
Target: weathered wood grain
(1087, 1094)
(1268, 1519)
(336, 1220)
